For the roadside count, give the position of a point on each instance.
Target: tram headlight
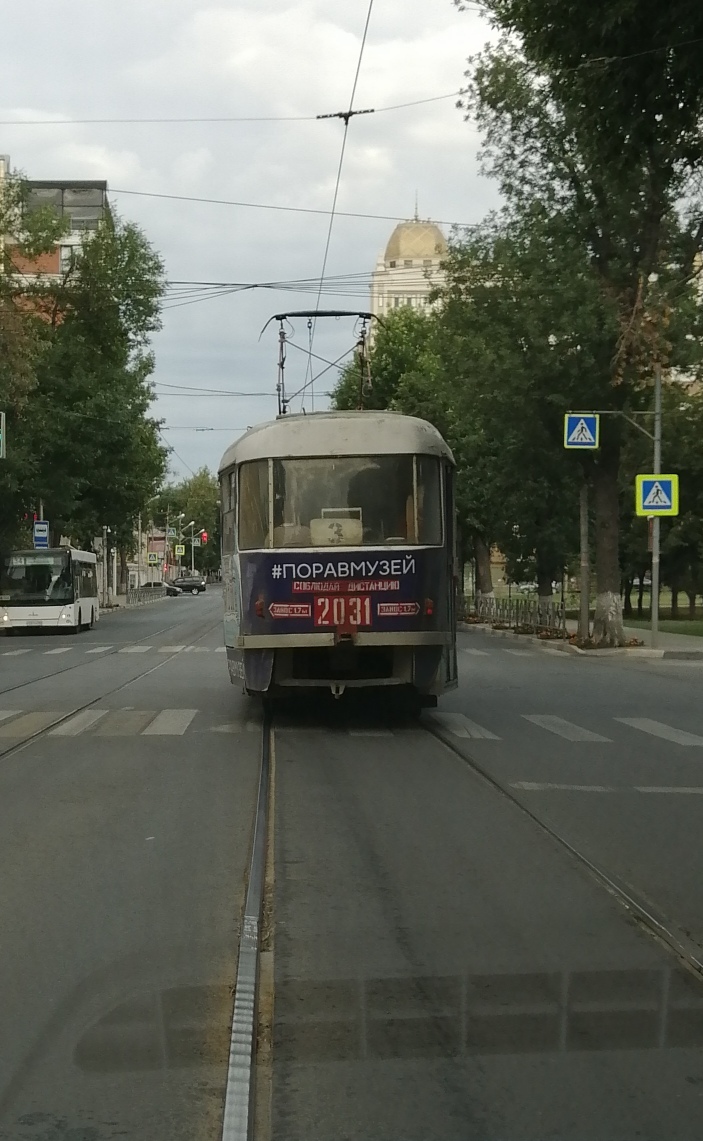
(429, 607)
(259, 607)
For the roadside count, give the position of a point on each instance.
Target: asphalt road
(443, 968)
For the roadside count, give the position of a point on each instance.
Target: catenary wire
(338, 180)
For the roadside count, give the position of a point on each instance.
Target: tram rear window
(341, 501)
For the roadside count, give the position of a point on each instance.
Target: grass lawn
(680, 626)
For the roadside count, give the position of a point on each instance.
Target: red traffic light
(203, 537)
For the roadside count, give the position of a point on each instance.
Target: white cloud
(171, 58)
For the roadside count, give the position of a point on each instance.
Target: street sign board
(172, 532)
(657, 495)
(582, 430)
(196, 541)
(41, 535)
(152, 559)
(180, 548)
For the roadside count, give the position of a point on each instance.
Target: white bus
(56, 588)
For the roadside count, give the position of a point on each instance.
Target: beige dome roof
(416, 240)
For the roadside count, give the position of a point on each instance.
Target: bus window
(253, 505)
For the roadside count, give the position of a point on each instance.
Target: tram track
(643, 913)
(62, 717)
(110, 654)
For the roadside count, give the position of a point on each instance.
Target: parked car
(193, 584)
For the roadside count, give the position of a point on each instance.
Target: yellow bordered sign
(657, 495)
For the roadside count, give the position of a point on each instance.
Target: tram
(338, 555)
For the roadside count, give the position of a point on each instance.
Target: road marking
(693, 790)
(134, 650)
(124, 722)
(197, 650)
(520, 653)
(99, 650)
(563, 728)
(370, 732)
(30, 723)
(76, 725)
(659, 729)
(15, 653)
(170, 722)
(537, 786)
(220, 649)
(61, 650)
(5, 713)
(476, 653)
(460, 726)
(171, 649)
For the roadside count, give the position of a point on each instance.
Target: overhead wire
(284, 209)
(347, 118)
(211, 119)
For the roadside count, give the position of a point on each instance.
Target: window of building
(392, 264)
(397, 301)
(427, 261)
(67, 255)
(408, 261)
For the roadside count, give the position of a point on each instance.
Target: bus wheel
(92, 620)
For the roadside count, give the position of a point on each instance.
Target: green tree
(197, 498)
(595, 114)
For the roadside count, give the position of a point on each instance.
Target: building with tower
(409, 269)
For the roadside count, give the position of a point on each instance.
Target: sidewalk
(681, 646)
(667, 641)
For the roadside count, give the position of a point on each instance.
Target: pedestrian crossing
(16, 724)
(135, 648)
(458, 725)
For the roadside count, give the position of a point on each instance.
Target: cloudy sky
(287, 60)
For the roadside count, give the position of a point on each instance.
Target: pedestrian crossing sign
(657, 495)
(582, 430)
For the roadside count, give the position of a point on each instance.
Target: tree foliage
(74, 379)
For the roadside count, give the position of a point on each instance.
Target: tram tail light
(429, 607)
(259, 607)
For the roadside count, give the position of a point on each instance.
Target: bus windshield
(36, 578)
(341, 501)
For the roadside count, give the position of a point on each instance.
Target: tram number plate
(343, 610)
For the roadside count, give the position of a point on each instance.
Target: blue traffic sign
(657, 495)
(41, 534)
(581, 430)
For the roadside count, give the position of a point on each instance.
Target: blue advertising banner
(285, 591)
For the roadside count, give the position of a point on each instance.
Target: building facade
(410, 267)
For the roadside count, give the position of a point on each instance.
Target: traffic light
(203, 538)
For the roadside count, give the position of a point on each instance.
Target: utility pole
(139, 552)
(104, 574)
(584, 630)
(656, 470)
(192, 548)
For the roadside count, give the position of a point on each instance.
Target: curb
(567, 648)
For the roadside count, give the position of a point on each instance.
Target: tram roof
(337, 434)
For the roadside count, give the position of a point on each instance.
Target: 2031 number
(342, 610)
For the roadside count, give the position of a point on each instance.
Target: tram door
(451, 579)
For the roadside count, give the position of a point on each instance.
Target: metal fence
(525, 615)
(144, 594)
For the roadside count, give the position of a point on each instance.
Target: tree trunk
(607, 625)
(640, 594)
(691, 604)
(545, 594)
(627, 604)
(674, 599)
(124, 572)
(484, 580)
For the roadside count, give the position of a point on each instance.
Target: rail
(524, 615)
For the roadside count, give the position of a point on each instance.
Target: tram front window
(356, 501)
